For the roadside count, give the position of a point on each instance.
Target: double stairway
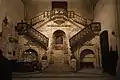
(29, 29)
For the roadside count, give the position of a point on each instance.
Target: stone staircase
(59, 65)
(58, 68)
(58, 56)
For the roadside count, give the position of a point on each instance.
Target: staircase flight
(86, 34)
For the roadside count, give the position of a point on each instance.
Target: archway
(104, 43)
(59, 40)
(30, 55)
(87, 59)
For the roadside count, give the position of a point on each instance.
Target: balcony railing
(78, 19)
(86, 34)
(39, 19)
(58, 15)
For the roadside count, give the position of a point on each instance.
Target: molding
(59, 25)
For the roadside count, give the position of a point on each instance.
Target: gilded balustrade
(24, 29)
(93, 29)
(38, 36)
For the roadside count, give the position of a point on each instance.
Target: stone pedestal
(44, 64)
(73, 64)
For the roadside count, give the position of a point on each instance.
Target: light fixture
(114, 33)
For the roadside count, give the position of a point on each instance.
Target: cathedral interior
(61, 36)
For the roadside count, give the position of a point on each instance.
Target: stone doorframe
(59, 33)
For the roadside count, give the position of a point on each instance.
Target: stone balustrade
(39, 18)
(59, 16)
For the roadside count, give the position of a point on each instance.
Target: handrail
(38, 35)
(39, 18)
(36, 16)
(38, 32)
(79, 32)
(25, 29)
(80, 37)
(79, 19)
(92, 30)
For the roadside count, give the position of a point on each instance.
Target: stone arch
(59, 34)
(93, 48)
(30, 55)
(87, 59)
(59, 39)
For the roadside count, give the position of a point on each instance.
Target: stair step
(58, 68)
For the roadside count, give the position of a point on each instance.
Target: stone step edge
(65, 76)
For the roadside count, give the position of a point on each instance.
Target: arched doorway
(59, 47)
(59, 40)
(104, 43)
(30, 55)
(87, 59)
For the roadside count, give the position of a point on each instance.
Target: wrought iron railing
(38, 36)
(86, 34)
(24, 29)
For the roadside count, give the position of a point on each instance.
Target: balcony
(59, 16)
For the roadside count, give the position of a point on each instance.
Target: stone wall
(105, 12)
(25, 44)
(14, 11)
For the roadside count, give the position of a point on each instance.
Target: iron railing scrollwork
(24, 29)
(86, 34)
(38, 36)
